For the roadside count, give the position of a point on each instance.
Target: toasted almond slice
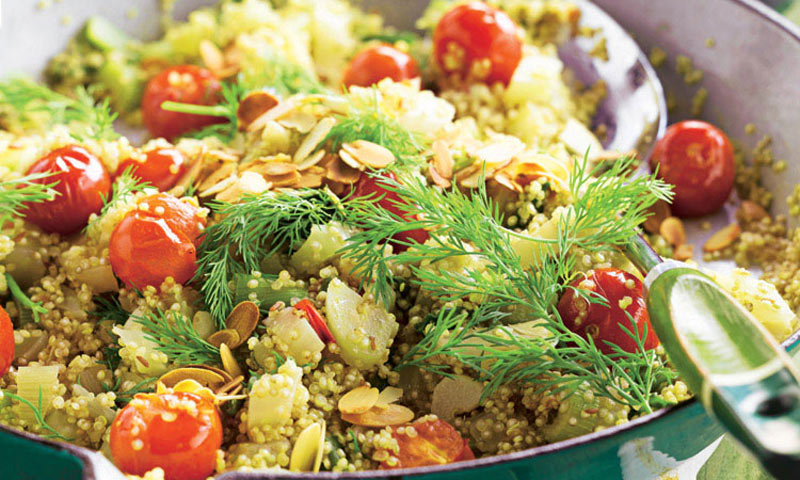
(338, 171)
(228, 336)
(751, 211)
(309, 180)
(285, 180)
(442, 159)
(307, 449)
(271, 115)
(299, 120)
(672, 230)
(369, 154)
(500, 151)
(659, 211)
(393, 414)
(204, 376)
(389, 395)
(351, 162)
(684, 252)
(723, 238)
(222, 171)
(229, 362)
(228, 71)
(212, 56)
(312, 160)
(244, 319)
(277, 169)
(502, 179)
(230, 387)
(193, 386)
(320, 449)
(253, 106)
(313, 139)
(469, 171)
(437, 178)
(219, 187)
(358, 400)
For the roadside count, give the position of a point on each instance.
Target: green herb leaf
(176, 337)
(25, 303)
(14, 194)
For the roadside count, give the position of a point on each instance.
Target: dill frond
(23, 301)
(14, 194)
(176, 337)
(232, 94)
(109, 309)
(85, 118)
(37, 414)
(125, 186)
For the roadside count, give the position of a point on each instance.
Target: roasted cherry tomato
(179, 432)
(436, 443)
(315, 320)
(476, 32)
(161, 167)
(623, 293)
(369, 186)
(81, 182)
(6, 342)
(697, 158)
(374, 64)
(184, 84)
(155, 241)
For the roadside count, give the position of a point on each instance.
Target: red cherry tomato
(161, 167)
(6, 342)
(155, 241)
(623, 293)
(436, 443)
(315, 320)
(369, 186)
(697, 158)
(374, 64)
(184, 84)
(477, 32)
(179, 432)
(82, 183)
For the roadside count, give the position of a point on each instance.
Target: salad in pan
(345, 247)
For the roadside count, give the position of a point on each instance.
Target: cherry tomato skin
(6, 342)
(620, 289)
(697, 158)
(481, 32)
(81, 182)
(369, 186)
(436, 443)
(179, 432)
(155, 241)
(184, 84)
(316, 320)
(373, 64)
(161, 167)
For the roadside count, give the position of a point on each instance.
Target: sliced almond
(229, 362)
(723, 238)
(254, 105)
(308, 449)
(672, 230)
(393, 414)
(351, 162)
(222, 171)
(312, 160)
(338, 171)
(220, 186)
(227, 336)
(313, 139)
(502, 179)
(358, 400)
(309, 180)
(683, 252)
(437, 177)
(751, 211)
(389, 395)
(232, 387)
(299, 120)
(369, 154)
(442, 159)
(204, 376)
(212, 56)
(277, 169)
(659, 212)
(271, 115)
(193, 386)
(244, 319)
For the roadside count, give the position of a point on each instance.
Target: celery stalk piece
(259, 289)
(103, 35)
(36, 383)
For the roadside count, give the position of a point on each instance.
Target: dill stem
(19, 295)
(212, 110)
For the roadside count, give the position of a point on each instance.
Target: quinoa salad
(344, 247)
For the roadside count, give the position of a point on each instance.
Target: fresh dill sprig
(24, 302)
(283, 76)
(252, 230)
(232, 94)
(85, 118)
(372, 124)
(109, 309)
(126, 184)
(37, 414)
(123, 398)
(175, 336)
(400, 36)
(14, 194)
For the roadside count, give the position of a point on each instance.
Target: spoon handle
(742, 376)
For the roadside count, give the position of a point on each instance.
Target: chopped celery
(259, 289)
(321, 245)
(584, 412)
(124, 80)
(297, 333)
(35, 384)
(103, 35)
(273, 396)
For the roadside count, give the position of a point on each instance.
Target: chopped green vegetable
(103, 35)
(259, 289)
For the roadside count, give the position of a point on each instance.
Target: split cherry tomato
(623, 293)
(6, 342)
(179, 432)
(315, 320)
(374, 64)
(161, 167)
(476, 32)
(697, 158)
(436, 443)
(155, 241)
(82, 183)
(184, 84)
(369, 186)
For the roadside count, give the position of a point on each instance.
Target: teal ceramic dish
(750, 73)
